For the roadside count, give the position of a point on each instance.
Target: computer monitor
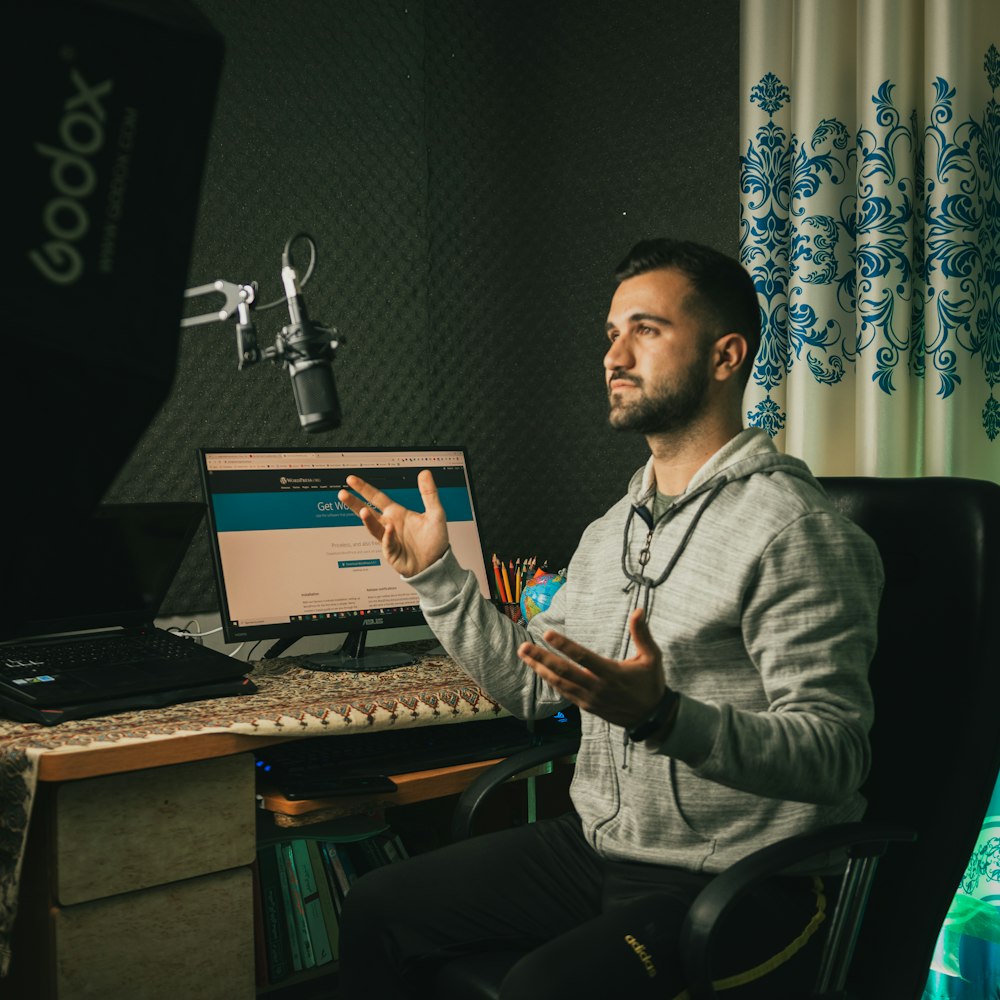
(292, 560)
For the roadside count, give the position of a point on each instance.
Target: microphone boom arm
(238, 300)
(233, 294)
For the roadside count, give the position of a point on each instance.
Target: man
(715, 629)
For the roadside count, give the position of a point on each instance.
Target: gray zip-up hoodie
(763, 600)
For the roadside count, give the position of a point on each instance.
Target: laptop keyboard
(27, 659)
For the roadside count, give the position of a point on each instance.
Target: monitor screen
(292, 560)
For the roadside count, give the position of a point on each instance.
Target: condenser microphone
(309, 351)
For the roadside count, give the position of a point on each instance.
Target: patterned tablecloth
(290, 702)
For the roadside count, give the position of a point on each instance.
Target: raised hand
(410, 541)
(623, 692)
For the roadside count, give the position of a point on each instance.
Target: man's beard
(664, 408)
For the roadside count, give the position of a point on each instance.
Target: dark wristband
(656, 718)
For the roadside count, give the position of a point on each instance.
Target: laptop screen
(293, 560)
(109, 568)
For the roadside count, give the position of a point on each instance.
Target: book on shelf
(400, 847)
(272, 912)
(332, 878)
(298, 907)
(390, 846)
(364, 854)
(260, 967)
(330, 919)
(291, 931)
(342, 865)
(312, 903)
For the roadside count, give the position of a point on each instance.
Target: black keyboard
(321, 765)
(27, 659)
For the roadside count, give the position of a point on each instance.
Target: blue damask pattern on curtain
(912, 254)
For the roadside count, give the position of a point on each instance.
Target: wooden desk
(135, 879)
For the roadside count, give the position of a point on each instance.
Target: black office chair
(936, 753)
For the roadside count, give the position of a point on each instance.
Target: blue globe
(538, 593)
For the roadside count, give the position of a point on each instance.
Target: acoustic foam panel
(472, 173)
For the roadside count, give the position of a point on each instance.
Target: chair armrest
(861, 840)
(476, 794)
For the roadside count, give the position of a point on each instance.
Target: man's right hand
(410, 541)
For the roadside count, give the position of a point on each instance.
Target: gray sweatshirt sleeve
(483, 640)
(809, 626)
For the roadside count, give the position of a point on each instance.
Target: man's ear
(729, 353)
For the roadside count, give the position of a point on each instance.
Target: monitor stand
(351, 657)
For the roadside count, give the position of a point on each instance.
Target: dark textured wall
(471, 172)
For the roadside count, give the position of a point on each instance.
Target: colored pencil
(506, 584)
(496, 573)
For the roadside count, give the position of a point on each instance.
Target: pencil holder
(512, 611)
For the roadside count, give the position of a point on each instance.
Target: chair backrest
(936, 677)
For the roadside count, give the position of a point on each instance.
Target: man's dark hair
(724, 297)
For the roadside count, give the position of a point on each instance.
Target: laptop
(83, 641)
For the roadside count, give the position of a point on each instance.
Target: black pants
(592, 928)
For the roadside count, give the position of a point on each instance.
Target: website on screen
(290, 550)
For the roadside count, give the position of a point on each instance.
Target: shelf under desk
(411, 787)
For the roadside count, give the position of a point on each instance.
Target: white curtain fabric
(870, 221)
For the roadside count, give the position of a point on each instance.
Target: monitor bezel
(281, 631)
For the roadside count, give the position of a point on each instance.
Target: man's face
(656, 366)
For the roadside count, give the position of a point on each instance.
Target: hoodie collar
(749, 451)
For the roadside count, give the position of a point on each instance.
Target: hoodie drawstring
(643, 584)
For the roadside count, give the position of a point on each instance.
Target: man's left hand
(622, 692)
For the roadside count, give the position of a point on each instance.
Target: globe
(538, 593)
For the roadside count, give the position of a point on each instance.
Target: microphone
(308, 350)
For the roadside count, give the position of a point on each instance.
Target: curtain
(870, 222)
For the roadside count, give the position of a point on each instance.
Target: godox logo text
(81, 132)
